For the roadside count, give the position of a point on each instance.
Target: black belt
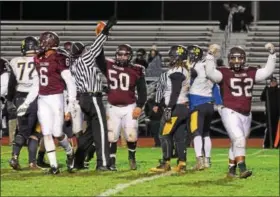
(79, 94)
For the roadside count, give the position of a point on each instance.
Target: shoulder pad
(140, 67)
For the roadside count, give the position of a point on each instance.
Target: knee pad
(131, 134)
(20, 140)
(112, 136)
(240, 142)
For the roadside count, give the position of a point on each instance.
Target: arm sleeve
(211, 72)
(34, 90)
(141, 91)
(4, 84)
(267, 71)
(11, 86)
(263, 95)
(176, 83)
(160, 88)
(95, 49)
(101, 62)
(70, 83)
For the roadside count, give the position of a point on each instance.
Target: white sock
(50, 149)
(207, 146)
(198, 146)
(66, 145)
(230, 153)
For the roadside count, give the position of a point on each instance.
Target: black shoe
(112, 166)
(43, 164)
(245, 174)
(54, 170)
(102, 168)
(231, 172)
(132, 164)
(14, 163)
(70, 161)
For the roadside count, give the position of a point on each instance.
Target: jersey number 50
(237, 85)
(118, 81)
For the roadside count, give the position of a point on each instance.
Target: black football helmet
(123, 55)
(30, 44)
(177, 53)
(195, 53)
(48, 40)
(236, 58)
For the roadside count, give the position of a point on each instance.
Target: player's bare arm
(211, 72)
(142, 97)
(267, 71)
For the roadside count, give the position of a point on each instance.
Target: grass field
(211, 182)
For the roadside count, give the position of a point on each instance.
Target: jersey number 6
(44, 80)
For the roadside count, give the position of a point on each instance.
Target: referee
(89, 93)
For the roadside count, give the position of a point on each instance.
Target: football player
(52, 66)
(175, 116)
(123, 108)
(20, 85)
(201, 106)
(236, 83)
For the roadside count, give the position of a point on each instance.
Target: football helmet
(195, 53)
(30, 44)
(77, 48)
(177, 53)
(67, 46)
(48, 40)
(236, 58)
(123, 55)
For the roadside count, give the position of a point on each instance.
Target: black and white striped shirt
(161, 84)
(87, 76)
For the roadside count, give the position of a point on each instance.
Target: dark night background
(125, 10)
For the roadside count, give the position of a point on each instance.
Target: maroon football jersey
(236, 89)
(122, 82)
(49, 70)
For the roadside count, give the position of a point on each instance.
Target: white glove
(22, 109)
(270, 47)
(214, 49)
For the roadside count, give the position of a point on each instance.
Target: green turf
(211, 182)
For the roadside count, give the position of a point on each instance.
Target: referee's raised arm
(89, 57)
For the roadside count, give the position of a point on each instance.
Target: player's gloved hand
(270, 47)
(136, 112)
(11, 108)
(214, 49)
(112, 21)
(72, 107)
(167, 114)
(21, 111)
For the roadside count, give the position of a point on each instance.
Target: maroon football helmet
(236, 58)
(48, 40)
(123, 55)
(67, 46)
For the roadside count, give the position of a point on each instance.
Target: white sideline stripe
(121, 187)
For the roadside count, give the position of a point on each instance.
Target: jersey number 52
(241, 87)
(118, 80)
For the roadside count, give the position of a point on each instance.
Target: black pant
(153, 127)
(176, 130)
(26, 123)
(93, 108)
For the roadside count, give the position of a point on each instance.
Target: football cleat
(102, 168)
(163, 166)
(54, 170)
(245, 174)
(132, 164)
(207, 162)
(14, 163)
(181, 167)
(70, 161)
(33, 166)
(43, 164)
(231, 172)
(199, 163)
(112, 166)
